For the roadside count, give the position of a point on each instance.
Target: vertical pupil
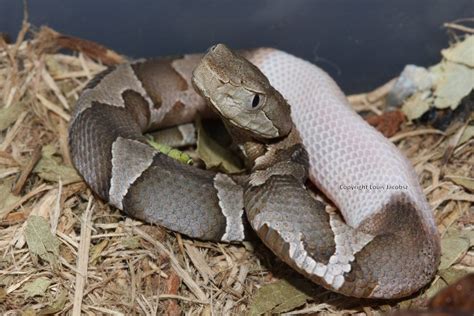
(256, 100)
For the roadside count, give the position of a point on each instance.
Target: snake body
(384, 243)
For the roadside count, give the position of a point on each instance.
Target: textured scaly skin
(365, 254)
(383, 233)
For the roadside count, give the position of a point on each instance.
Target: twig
(54, 87)
(187, 279)
(181, 298)
(381, 91)
(459, 27)
(83, 258)
(63, 142)
(35, 157)
(419, 132)
(53, 107)
(29, 195)
(12, 132)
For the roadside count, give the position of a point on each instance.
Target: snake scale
(381, 243)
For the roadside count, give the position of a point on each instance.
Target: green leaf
(48, 168)
(40, 240)
(277, 297)
(37, 287)
(214, 155)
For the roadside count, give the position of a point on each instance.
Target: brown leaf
(388, 123)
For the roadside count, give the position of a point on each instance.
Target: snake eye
(256, 100)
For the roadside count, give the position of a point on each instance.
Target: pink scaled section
(351, 162)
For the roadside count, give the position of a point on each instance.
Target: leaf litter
(116, 265)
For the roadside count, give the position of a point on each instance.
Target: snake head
(241, 94)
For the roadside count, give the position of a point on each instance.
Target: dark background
(362, 44)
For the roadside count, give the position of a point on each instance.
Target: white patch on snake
(231, 202)
(188, 132)
(109, 90)
(348, 242)
(130, 158)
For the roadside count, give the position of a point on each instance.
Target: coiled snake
(385, 244)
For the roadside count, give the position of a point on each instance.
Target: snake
(369, 232)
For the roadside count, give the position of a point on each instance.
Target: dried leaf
(466, 182)
(455, 81)
(214, 155)
(40, 240)
(416, 105)
(435, 287)
(50, 169)
(454, 245)
(37, 287)
(388, 123)
(277, 297)
(462, 52)
(96, 250)
(131, 242)
(453, 274)
(467, 135)
(9, 115)
(7, 198)
(56, 306)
